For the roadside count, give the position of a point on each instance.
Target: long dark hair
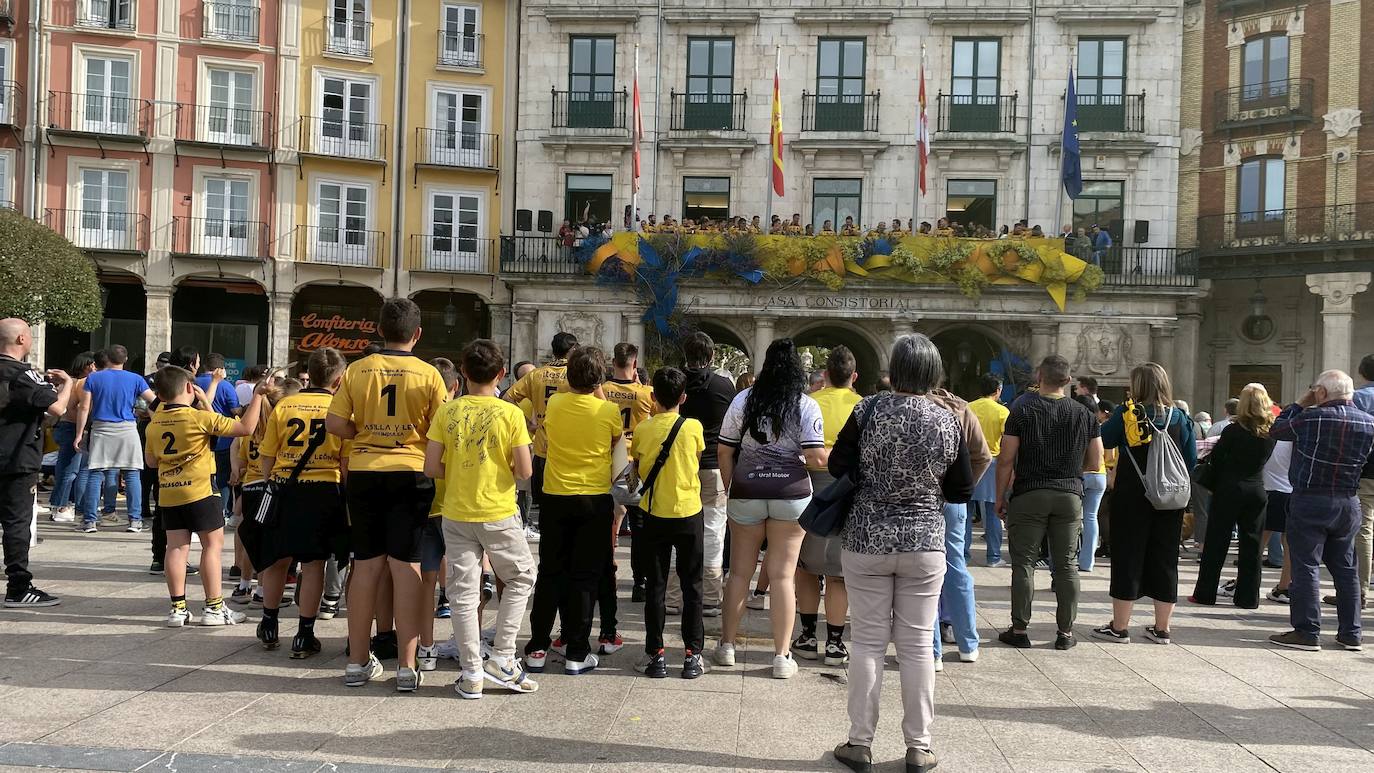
(778, 387)
(80, 363)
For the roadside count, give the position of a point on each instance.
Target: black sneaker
(1108, 633)
(1064, 641)
(836, 654)
(1279, 595)
(805, 646)
(1011, 638)
(304, 645)
(693, 666)
(192, 571)
(654, 666)
(329, 608)
(1157, 635)
(637, 594)
(30, 597)
(241, 596)
(1349, 643)
(155, 567)
(384, 645)
(235, 573)
(1294, 640)
(267, 633)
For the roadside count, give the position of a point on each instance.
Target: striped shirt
(1331, 443)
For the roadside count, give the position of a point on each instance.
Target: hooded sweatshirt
(708, 397)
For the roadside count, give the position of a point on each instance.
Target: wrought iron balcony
(234, 21)
(340, 245)
(1257, 104)
(7, 11)
(459, 50)
(350, 37)
(1111, 112)
(100, 114)
(450, 253)
(1244, 6)
(11, 104)
(224, 126)
(537, 255)
(976, 114)
(840, 112)
(467, 150)
(340, 137)
(1127, 266)
(1287, 230)
(107, 14)
(219, 238)
(708, 112)
(589, 109)
(101, 230)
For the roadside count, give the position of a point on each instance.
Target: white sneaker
(784, 667)
(446, 650)
(578, 667)
(134, 527)
(939, 665)
(358, 675)
(723, 655)
(968, 657)
(64, 515)
(428, 658)
(179, 617)
(222, 616)
(43, 509)
(1227, 589)
(757, 601)
(408, 680)
(531, 534)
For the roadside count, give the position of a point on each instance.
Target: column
(763, 336)
(157, 330)
(1186, 353)
(522, 335)
(634, 330)
(902, 326)
(279, 311)
(1162, 350)
(500, 328)
(1044, 341)
(38, 355)
(1338, 293)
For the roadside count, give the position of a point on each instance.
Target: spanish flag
(775, 136)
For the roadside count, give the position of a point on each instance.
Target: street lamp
(450, 314)
(1258, 301)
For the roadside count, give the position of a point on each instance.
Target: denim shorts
(432, 545)
(752, 512)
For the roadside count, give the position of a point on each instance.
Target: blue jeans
(69, 463)
(956, 598)
(992, 530)
(1321, 529)
(1276, 547)
(109, 479)
(1094, 486)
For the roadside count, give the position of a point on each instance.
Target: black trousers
(574, 552)
(606, 602)
(1239, 506)
(16, 518)
(638, 556)
(661, 537)
(150, 505)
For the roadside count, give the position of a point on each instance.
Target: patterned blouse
(911, 460)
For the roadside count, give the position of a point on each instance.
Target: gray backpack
(1167, 483)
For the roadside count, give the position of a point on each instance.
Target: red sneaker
(607, 645)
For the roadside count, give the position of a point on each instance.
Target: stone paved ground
(97, 684)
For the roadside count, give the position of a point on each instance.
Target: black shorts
(309, 525)
(387, 513)
(201, 515)
(1276, 512)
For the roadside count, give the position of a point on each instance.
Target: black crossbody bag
(650, 479)
(828, 510)
(268, 512)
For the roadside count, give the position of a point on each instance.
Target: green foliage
(44, 277)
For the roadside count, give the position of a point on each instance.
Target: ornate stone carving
(1343, 121)
(1189, 141)
(1018, 337)
(586, 326)
(1103, 350)
(1192, 17)
(1338, 290)
(1231, 154)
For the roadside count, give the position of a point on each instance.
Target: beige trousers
(1364, 538)
(504, 544)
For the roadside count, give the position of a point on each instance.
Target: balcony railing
(11, 103)
(708, 112)
(223, 125)
(236, 21)
(459, 50)
(100, 230)
(7, 11)
(107, 14)
(339, 136)
(450, 253)
(1236, 6)
(350, 37)
(1126, 266)
(101, 114)
(1256, 104)
(589, 109)
(960, 113)
(537, 255)
(219, 238)
(468, 150)
(1111, 112)
(1297, 229)
(840, 112)
(342, 246)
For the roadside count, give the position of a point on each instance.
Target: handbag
(623, 489)
(268, 512)
(1205, 475)
(826, 513)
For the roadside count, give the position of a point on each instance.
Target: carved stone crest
(586, 326)
(1189, 141)
(1341, 122)
(1103, 350)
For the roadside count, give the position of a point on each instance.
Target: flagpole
(920, 138)
(1059, 212)
(768, 178)
(634, 162)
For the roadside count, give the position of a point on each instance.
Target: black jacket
(709, 395)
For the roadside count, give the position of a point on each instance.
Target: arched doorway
(451, 320)
(125, 321)
(732, 355)
(222, 316)
(340, 316)
(969, 353)
(826, 336)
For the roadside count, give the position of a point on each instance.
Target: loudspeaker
(1117, 228)
(524, 220)
(546, 221)
(1142, 231)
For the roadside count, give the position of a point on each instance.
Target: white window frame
(458, 57)
(82, 56)
(345, 47)
(339, 252)
(8, 158)
(205, 244)
(76, 169)
(370, 146)
(256, 121)
(439, 153)
(232, 20)
(8, 101)
(445, 260)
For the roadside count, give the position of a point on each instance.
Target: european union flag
(1070, 157)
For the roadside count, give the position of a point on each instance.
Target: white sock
(471, 675)
(245, 584)
(503, 661)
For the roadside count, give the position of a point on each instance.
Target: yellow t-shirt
(836, 406)
(249, 453)
(538, 386)
(295, 423)
(992, 417)
(182, 440)
(479, 435)
(677, 489)
(581, 429)
(634, 401)
(391, 397)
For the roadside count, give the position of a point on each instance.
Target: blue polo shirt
(113, 394)
(225, 402)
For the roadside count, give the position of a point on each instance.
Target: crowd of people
(377, 481)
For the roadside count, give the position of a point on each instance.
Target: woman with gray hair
(909, 457)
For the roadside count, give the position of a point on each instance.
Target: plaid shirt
(1331, 443)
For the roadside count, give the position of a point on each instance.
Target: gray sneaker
(358, 675)
(1294, 640)
(221, 615)
(408, 679)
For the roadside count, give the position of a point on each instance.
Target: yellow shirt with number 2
(180, 437)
